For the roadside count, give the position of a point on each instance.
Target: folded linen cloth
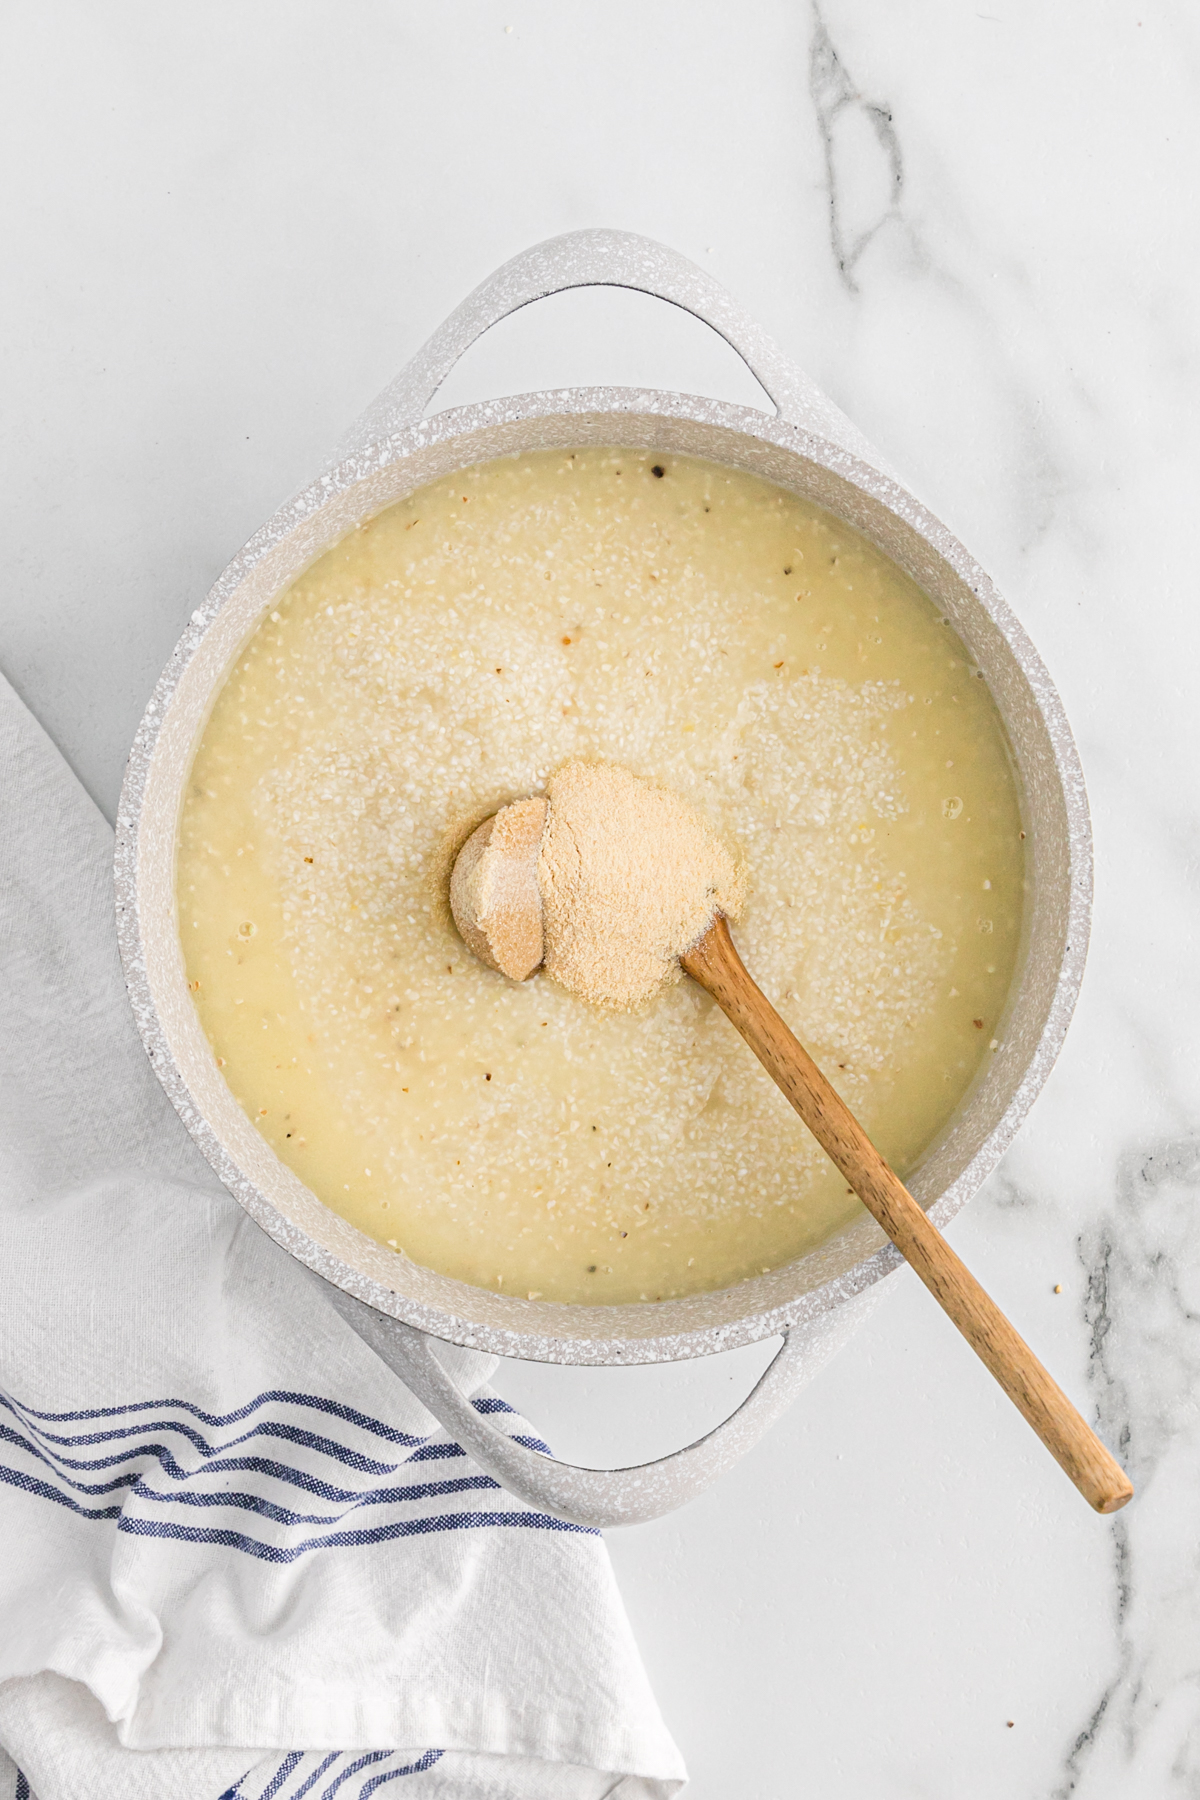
(240, 1561)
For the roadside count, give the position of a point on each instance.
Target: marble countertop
(229, 226)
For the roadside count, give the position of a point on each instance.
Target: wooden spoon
(716, 965)
(496, 904)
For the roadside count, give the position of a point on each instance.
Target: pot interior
(1040, 999)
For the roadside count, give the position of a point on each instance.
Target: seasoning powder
(630, 877)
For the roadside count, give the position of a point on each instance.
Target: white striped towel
(240, 1562)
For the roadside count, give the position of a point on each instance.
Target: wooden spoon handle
(716, 965)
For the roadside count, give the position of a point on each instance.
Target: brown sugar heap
(630, 877)
(627, 877)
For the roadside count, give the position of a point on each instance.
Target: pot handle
(601, 1497)
(602, 258)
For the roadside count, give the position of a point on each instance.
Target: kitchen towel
(238, 1560)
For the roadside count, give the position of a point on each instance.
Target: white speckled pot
(810, 448)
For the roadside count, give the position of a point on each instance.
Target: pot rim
(765, 1315)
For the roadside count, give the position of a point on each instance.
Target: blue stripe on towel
(351, 1769)
(491, 1403)
(431, 1452)
(283, 1515)
(335, 1540)
(127, 1484)
(169, 1466)
(291, 1434)
(354, 1763)
(425, 1762)
(258, 1465)
(532, 1443)
(345, 1540)
(31, 1485)
(335, 1408)
(281, 1774)
(255, 1502)
(368, 1787)
(266, 1428)
(348, 1457)
(313, 1779)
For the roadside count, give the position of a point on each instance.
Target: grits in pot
(710, 632)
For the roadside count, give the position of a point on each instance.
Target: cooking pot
(400, 1308)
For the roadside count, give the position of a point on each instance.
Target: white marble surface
(227, 226)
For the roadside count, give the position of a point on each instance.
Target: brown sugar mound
(604, 883)
(630, 877)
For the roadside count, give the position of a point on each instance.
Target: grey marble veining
(864, 168)
(227, 233)
(1141, 1301)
